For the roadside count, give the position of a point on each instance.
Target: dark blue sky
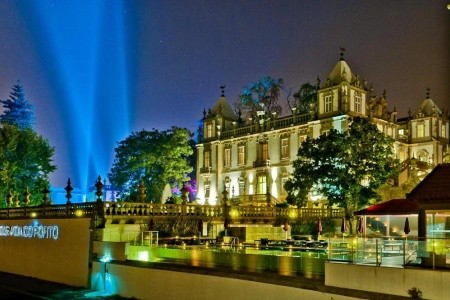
(97, 70)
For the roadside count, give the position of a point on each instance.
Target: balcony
(205, 170)
(261, 163)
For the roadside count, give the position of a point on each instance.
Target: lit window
(227, 161)
(284, 148)
(262, 184)
(401, 131)
(241, 155)
(207, 189)
(207, 161)
(264, 151)
(209, 129)
(328, 103)
(358, 104)
(420, 130)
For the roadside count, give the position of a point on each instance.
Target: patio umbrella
(286, 225)
(200, 226)
(407, 229)
(360, 225)
(151, 225)
(343, 225)
(319, 226)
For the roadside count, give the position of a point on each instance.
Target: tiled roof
(391, 207)
(435, 185)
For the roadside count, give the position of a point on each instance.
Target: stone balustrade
(86, 209)
(234, 212)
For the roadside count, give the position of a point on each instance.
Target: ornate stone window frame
(358, 102)
(328, 102)
(242, 154)
(227, 157)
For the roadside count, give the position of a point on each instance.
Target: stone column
(69, 190)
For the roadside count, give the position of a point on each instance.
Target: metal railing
(391, 251)
(149, 238)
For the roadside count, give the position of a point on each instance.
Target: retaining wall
(146, 283)
(396, 281)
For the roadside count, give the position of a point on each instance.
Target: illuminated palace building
(252, 159)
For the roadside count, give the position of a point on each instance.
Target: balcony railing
(205, 170)
(267, 126)
(261, 163)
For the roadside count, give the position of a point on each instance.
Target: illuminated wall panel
(50, 249)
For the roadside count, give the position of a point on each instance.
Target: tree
(25, 163)
(156, 157)
(304, 97)
(345, 167)
(261, 96)
(18, 111)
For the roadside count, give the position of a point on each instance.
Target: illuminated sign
(35, 230)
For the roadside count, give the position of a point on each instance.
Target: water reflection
(289, 263)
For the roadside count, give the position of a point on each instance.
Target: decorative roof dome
(428, 107)
(341, 72)
(224, 108)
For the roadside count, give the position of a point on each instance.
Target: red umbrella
(343, 225)
(407, 229)
(319, 226)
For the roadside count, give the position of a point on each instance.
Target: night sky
(98, 70)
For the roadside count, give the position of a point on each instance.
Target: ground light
(106, 285)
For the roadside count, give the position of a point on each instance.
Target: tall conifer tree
(17, 110)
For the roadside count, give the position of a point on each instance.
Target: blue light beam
(84, 52)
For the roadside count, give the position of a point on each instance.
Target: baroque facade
(250, 160)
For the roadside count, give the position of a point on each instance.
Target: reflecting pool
(308, 264)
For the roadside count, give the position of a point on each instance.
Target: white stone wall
(147, 283)
(394, 281)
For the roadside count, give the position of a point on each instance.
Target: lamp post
(105, 259)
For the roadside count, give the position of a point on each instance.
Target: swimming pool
(289, 262)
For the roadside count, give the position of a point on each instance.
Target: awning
(391, 207)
